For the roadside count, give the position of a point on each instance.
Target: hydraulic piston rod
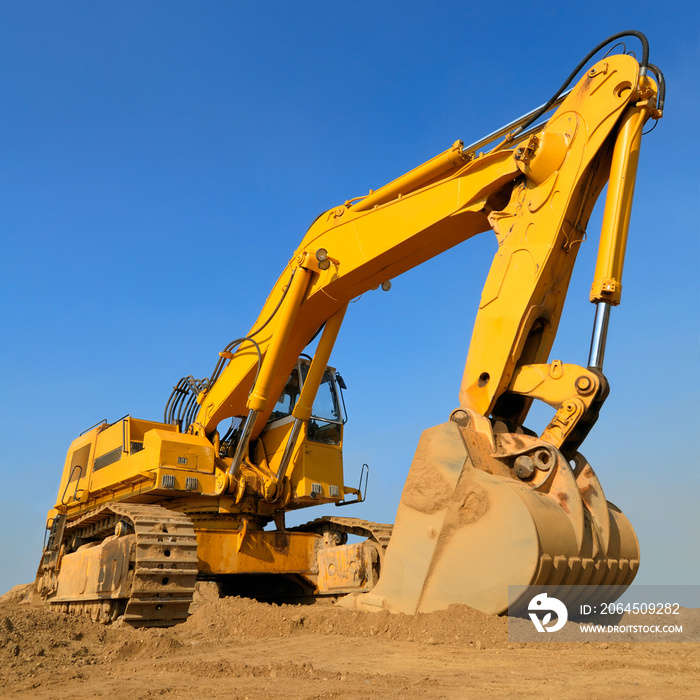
(600, 335)
(243, 443)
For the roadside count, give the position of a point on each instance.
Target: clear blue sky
(160, 161)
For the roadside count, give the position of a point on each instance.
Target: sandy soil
(237, 648)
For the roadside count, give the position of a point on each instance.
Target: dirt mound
(240, 648)
(18, 594)
(228, 618)
(33, 638)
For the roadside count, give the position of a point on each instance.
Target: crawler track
(162, 566)
(379, 532)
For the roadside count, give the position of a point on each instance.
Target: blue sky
(162, 160)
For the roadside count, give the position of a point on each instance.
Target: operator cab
(328, 415)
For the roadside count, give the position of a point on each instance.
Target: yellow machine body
(486, 503)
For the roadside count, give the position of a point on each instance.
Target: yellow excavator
(146, 508)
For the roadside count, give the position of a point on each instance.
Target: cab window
(287, 400)
(325, 424)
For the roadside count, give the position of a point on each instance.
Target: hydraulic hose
(644, 63)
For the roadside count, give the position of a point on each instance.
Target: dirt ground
(237, 648)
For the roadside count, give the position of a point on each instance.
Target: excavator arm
(536, 190)
(536, 195)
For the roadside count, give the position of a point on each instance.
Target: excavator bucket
(482, 511)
